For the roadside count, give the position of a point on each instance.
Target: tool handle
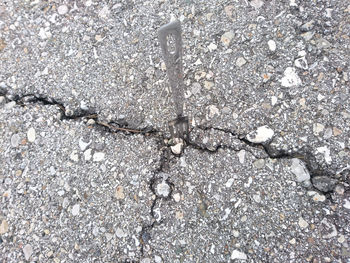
(173, 61)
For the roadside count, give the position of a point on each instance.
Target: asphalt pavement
(89, 171)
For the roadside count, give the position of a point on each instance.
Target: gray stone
(324, 183)
(15, 140)
(300, 171)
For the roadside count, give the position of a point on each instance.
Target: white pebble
(31, 134)
(241, 156)
(272, 45)
(98, 156)
(299, 170)
(262, 134)
(302, 223)
(62, 9)
(75, 209)
(158, 259)
(212, 47)
(83, 145)
(240, 61)
(28, 251)
(177, 197)
(257, 198)
(319, 198)
(177, 148)
(120, 233)
(346, 204)
(273, 100)
(290, 78)
(163, 189)
(256, 3)
(236, 254)
(74, 156)
(327, 155)
(226, 38)
(229, 182)
(87, 155)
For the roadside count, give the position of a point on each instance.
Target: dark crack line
(24, 100)
(303, 155)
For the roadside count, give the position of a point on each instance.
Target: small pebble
(74, 156)
(62, 9)
(4, 227)
(76, 210)
(98, 156)
(119, 192)
(260, 163)
(87, 155)
(229, 182)
(212, 47)
(227, 38)
(241, 156)
(15, 140)
(257, 198)
(120, 233)
(318, 128)
(302, 223)
(177, 148)
(179, 215)
(256, 3)
(236, 254)
(272, 45)
(177, 197)
(336, 131)
(324, 183)
(28, 251)
(208, 84)
(157, 259)
(299, 170)
(240, 61)
(346, 204)
(341, 239)
(307, 26)
(31, 134)
(163, 189)
(290, 78)
(83, 145)
(273, 100)
(301, 63)
(261, 135)
(213, 111)
(326, 152)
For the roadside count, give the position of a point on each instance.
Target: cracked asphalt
(89, 172)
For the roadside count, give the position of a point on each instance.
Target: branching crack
(304, 154)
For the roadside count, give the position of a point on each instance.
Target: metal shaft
(173, 62)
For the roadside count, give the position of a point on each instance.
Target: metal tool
(171, 45)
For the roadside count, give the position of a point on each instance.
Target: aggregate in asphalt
(89, 172)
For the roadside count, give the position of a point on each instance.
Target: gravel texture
(89, 172)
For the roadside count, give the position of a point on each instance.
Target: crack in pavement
(167, 157)
(303, 154)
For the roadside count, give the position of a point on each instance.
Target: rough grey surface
(266, 89)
